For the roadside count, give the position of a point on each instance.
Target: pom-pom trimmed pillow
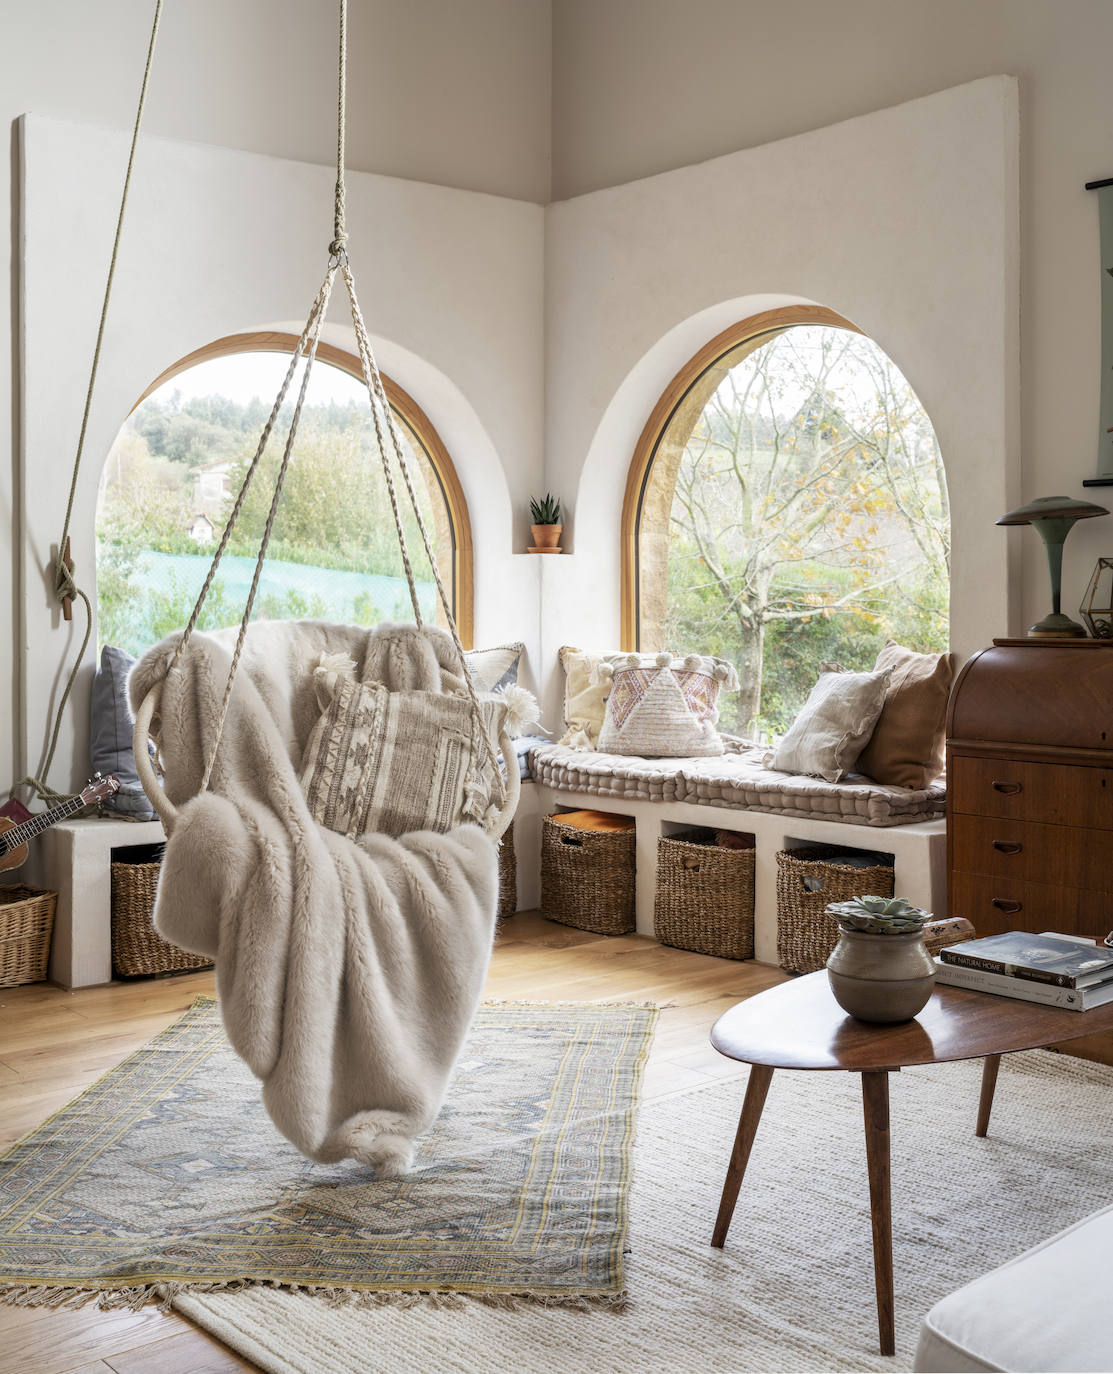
(395, 762)
(825, 739)
(661, 707)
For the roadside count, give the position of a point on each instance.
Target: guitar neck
(20, 834)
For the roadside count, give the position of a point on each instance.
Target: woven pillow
(661, 707)
(825, 739)
(585, 702)
(906, 747)
(395, 762)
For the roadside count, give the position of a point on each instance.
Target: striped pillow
(395, 762)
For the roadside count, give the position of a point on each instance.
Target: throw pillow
(395, 762)
(495, 668)
(661, 707)
(111, 725)
(825, 739)
(585, 701)
(906, 747)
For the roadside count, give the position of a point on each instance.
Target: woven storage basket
(587, 878)
(806, 935)
(508, 876)
(137, 948)
(705, 898)
(26, 920)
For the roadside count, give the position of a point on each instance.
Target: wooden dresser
(1030, 788)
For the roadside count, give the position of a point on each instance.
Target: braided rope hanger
(65, 586)
(386, 428)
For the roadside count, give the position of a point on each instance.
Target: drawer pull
(1009, 907)
(1009, 788)
(572, 840)
(1007, 846)
(689, 862)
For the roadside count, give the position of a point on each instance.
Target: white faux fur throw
(348, 972)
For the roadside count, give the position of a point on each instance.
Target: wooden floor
(54, 1043)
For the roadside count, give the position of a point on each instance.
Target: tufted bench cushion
(738, 781)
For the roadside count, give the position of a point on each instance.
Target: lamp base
(1056, 626)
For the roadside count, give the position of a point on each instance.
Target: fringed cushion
(661, 707)
(395, 762)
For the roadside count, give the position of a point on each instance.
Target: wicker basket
(137, 948)
(705, 898)
(587, 878)
(806, 935)
(26, 920)
(508, 876)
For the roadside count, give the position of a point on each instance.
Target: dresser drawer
(1056, 854)
(1055, 793)
(994, 905)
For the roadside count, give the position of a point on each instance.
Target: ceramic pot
(546, 536)
(881, 977)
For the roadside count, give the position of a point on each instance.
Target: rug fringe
(568, 1002)
(164, 1295)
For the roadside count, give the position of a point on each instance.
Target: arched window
(786, 506)
(176, 466)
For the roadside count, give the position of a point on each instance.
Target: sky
(241, 376)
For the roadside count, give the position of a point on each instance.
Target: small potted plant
(880, 970)
(546, 527)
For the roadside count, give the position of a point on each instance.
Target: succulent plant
(880, 915)
(545, 510)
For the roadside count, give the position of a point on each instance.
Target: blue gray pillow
(110, 735)
(495, 668)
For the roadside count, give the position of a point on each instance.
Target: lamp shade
(1054, 517)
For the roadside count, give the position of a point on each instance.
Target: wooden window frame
(463, 583)
(641, 464)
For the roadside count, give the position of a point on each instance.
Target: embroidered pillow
(661, 707)
(394, 762)
(827, 736)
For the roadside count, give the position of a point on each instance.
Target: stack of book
(1055, 970)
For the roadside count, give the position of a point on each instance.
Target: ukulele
(13, 837)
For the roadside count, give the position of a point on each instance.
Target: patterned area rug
(793, 1289)
(166, 1175)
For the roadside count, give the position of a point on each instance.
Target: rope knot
(64, 584)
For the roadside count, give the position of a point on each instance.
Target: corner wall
(220, 242)
(904, 222)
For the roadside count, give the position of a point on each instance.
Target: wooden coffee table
(799, 1025)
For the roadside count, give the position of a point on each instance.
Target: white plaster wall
(642, 86)
(219, 242)
(448, 93)
(904, 221)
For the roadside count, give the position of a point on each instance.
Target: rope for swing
(66, 589)
(386, 428)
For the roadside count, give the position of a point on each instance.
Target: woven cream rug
(793, 1290)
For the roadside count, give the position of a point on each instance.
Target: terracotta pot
(546, 536)
(881, 977)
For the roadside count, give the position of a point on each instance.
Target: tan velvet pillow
(906, 747)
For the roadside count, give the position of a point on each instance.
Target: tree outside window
(172, 475)
(795, 512)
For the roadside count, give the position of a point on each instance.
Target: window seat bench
(736, 792)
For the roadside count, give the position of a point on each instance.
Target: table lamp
(1053, 517)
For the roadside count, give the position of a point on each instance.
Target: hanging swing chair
(330, 812)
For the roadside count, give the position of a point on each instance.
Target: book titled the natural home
(1042, 958)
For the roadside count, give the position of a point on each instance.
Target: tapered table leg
(875, 1102)
(756, 1090)
(990, 1065)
